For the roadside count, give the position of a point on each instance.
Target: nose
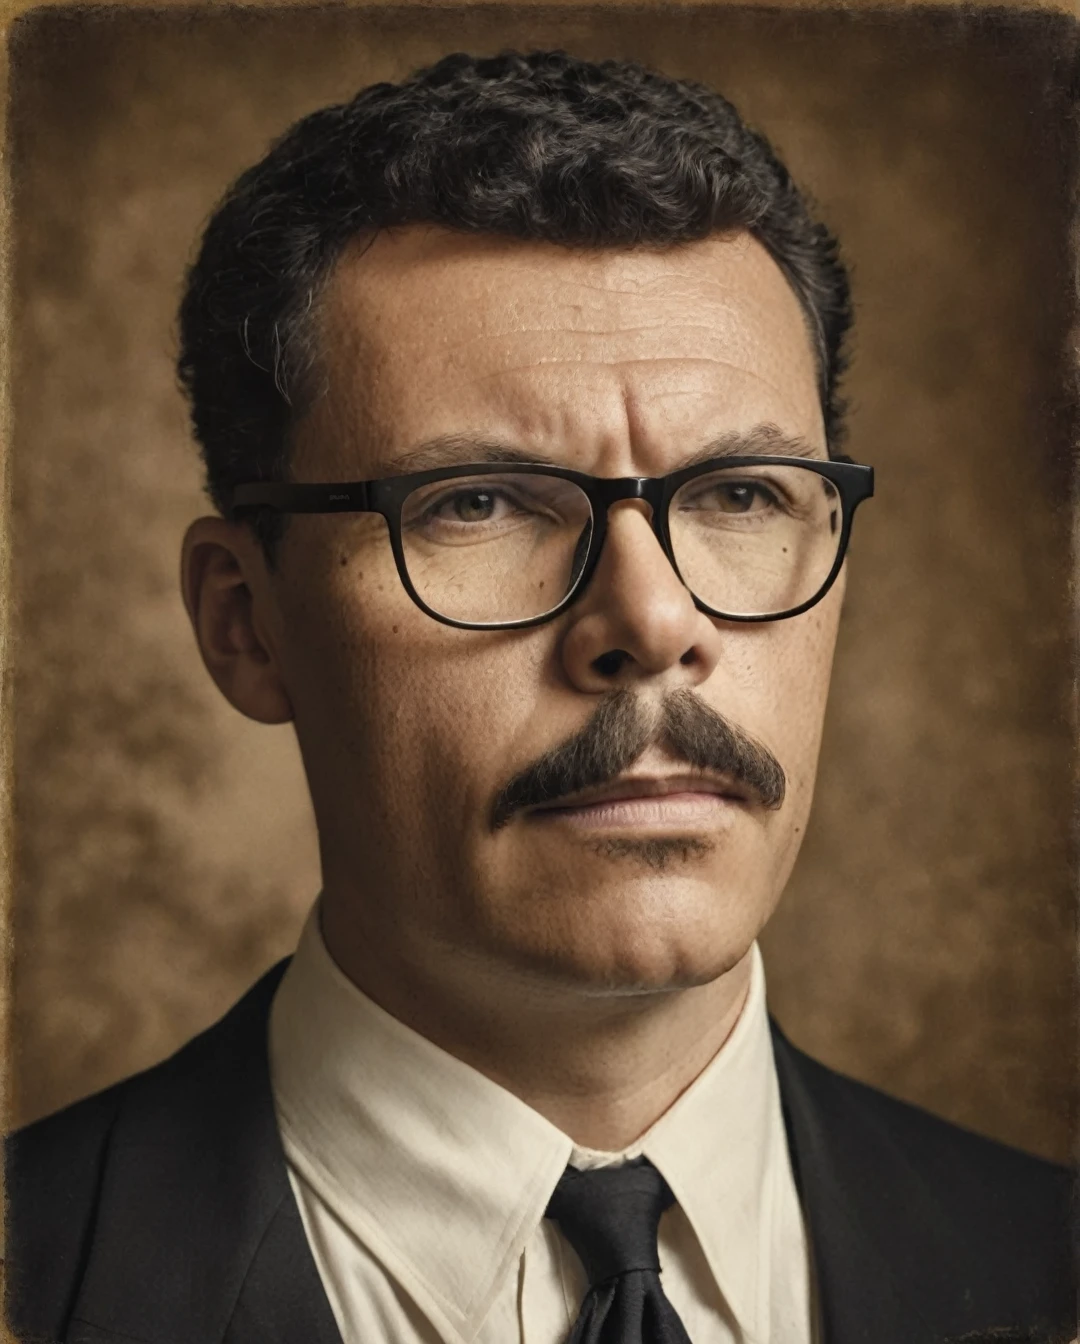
(636, 622)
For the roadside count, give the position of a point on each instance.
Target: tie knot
(610, 1216)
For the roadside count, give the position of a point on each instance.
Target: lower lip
(664, 811)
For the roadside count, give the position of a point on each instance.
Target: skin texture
(593, 972)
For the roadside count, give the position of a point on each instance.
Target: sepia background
(165, 853)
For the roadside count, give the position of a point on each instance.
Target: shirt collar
(721, 1148)
(402, 1141)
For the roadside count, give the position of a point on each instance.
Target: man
(517, 387)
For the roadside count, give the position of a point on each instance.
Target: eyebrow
(448, 450)
(451, 450)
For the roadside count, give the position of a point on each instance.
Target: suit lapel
(864, 1295)
(199, 1238)
(282, 1300)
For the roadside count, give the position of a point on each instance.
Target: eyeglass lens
(496, 548)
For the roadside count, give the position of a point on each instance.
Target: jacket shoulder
(55, 1168)
(52, 1173)
(980, 1212)
(957, 1158)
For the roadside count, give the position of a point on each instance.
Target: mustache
(621, 730)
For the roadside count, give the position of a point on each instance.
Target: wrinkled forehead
(610, 361)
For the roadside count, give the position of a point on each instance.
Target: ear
(226, 587)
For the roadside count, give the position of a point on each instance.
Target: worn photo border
(12, 10)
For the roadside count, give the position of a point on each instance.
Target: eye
(741, 496)
(479, 508)
(474, 504)
(733, 497)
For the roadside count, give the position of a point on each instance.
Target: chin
(623, 912)
(633, 937)
(617, 972)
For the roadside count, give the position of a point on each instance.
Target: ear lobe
(223, 577)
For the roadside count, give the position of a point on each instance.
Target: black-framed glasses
(503, 546)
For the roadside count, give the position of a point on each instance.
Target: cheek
(807, 671)
(471, 711)
(460, 720)
(783, 673)
(783, 687)
(413, 715)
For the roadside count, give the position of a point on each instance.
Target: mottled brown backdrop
(165, 851)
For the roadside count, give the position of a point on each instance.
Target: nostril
(609, 663)
(690, 656)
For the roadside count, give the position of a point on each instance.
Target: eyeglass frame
(853, 481)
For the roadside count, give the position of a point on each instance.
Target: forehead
(610, 360)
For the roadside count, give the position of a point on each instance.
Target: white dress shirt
(422, 1184)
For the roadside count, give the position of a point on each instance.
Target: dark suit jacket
(160, 1211)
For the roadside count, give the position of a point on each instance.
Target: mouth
(654, 802)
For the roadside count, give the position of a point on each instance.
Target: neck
(602, 1068)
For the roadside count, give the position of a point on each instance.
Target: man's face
(617, 363)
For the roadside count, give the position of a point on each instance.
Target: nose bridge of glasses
(646, 490)
(608, 491)
(642, 490)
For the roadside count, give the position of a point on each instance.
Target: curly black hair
(542, 146)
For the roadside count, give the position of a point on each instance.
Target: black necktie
(610, 1216)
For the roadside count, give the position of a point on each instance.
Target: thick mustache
(620, 731)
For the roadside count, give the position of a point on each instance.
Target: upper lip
(651, 786)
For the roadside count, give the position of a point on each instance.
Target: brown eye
(475, 507)
(737, 498)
